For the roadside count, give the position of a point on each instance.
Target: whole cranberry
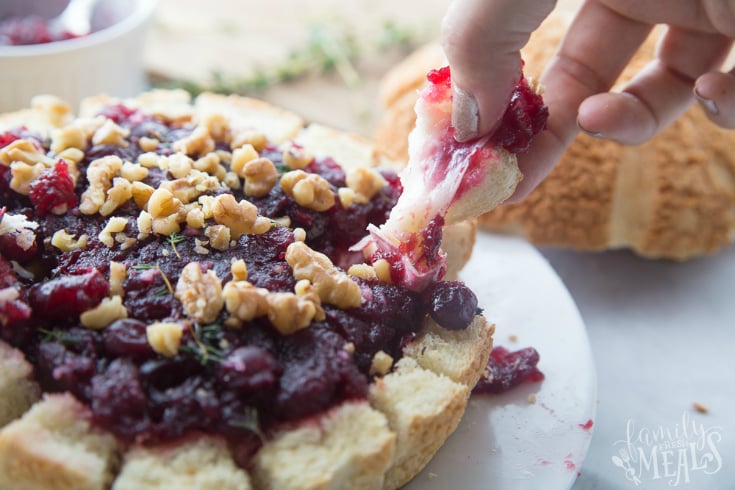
(127, 337)
(68, 295)
(248, 369)
(451, 304)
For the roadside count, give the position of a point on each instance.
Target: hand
(481, 39)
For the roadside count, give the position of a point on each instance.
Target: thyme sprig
(206, 337)
(331, 46)
(147, 267)
(250, 421)
(173, 239)
(59, 336)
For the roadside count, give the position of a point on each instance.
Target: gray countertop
(662, 335)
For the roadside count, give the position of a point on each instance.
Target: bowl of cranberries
(37, 57)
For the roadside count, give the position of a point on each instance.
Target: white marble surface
(662, 334)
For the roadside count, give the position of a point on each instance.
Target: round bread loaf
(672, 197)
(52, 441)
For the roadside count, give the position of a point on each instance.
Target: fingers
(659, 93)
(715, 92)
(481, 40)
(585, 65)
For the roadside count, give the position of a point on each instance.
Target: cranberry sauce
(19, 31)
(523, 119)
(509, 369)
(236, 382)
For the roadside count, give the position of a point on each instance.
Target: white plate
(504, 441)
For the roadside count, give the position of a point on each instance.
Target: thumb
(482, 40)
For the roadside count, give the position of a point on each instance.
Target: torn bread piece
(55, 447)
(18, 391)
(349, 447)
(202, 462)
(446, 181)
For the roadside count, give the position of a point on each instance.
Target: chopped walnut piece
(192, 186)
(99, 175)
(289, 312)
(260, 177)
(382, 270)
(210, 164)
(200, 293)
(68, 137)
(141, 194)
(381, 364)
(309, 190)
(145, 224)
(363, 271)
(72, 156)
(165, 337)
(299, 234)
(333, 286)
(199, 142)
(366, 182)
(242, 137)
(348, 197)
(239, 270)
(304, 289)
(244, 301)
(118, 273)
(219, 236)
(22, 176)
(116, 224)
(99, 317)
(133, 172)
(163, 203)
(240, 157)
(111, 134)
(200, 246)
(24, 151)
(66, 242)
(195, 218)
(151, 160)
(241, 218)
(148, 144)
(296, 157)
(117, 195)
(700, 407)
(218, 127)
(232, 180)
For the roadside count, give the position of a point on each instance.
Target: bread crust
(378, 443)
(672, 197)
(17, 390)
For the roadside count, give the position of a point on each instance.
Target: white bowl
(109, 60)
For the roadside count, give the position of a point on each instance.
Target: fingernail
(595, 134)
(708, 104)
(465, 114)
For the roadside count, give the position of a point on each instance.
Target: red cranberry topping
(451, 304)
(127, 337)
(20, 31)
(524, 118)
(234, 382)
(53, 188)
(69, 296)
(248, 370)
(509, 369)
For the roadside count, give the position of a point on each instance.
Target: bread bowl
(672, 197)
(68, 424)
